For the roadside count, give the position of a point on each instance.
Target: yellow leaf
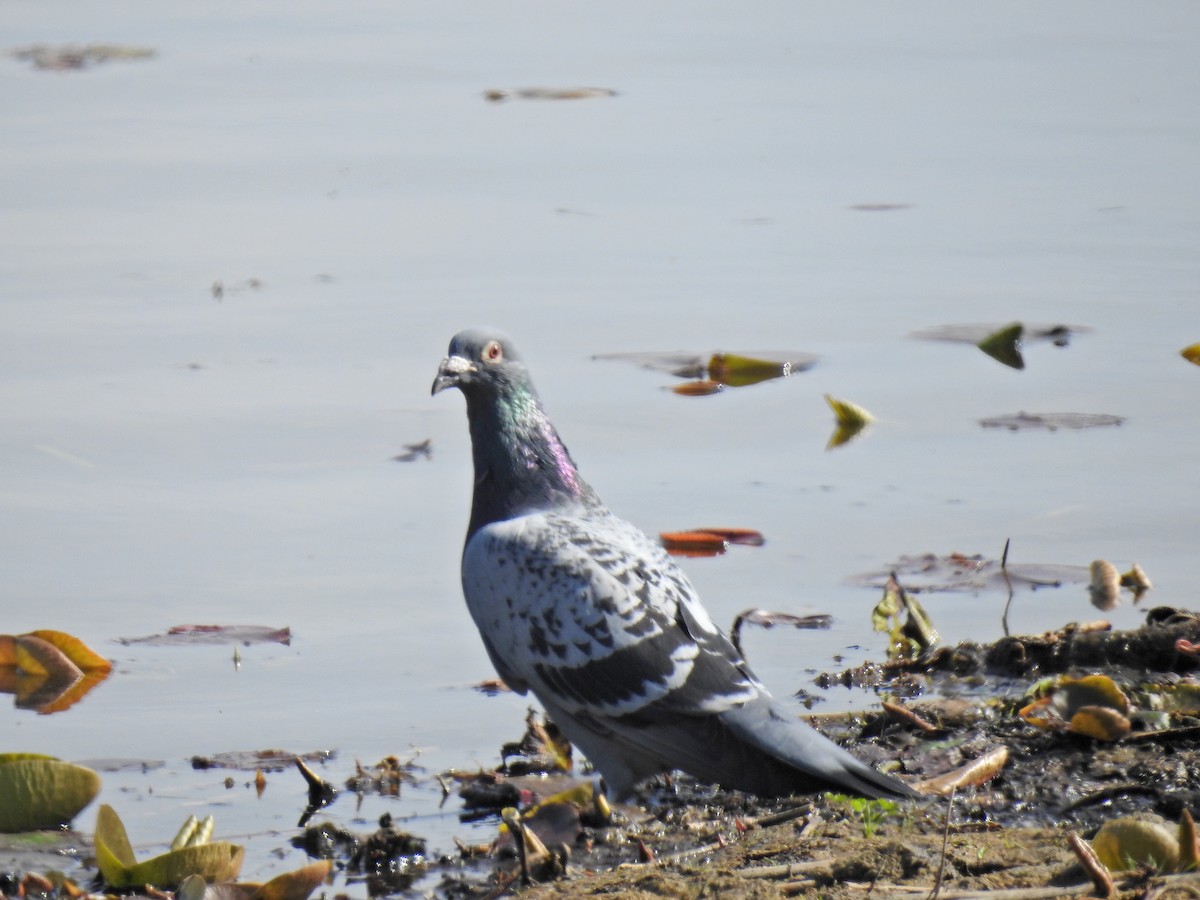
(75, 650)
(218, 861)
(1100, 722)
(1128, 843)
(740, 371)
(850, 415)
(110, 834)
(1092, 690)
(41, 792)
(1191, 353)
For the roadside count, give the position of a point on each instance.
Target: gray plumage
(593, 616)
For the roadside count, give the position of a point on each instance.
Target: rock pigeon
(593, 616)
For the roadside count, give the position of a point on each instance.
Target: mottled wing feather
(582, 606)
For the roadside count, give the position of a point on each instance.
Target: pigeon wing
(584, 608)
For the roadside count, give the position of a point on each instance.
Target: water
(172, 458)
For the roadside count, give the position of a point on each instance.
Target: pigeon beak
(451, 373)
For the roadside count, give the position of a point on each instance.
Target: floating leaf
(766, 619)
(217, 861)
(1130, 843)
(215, 634)
(851, 420)
(1191, 353)
(36, 656)
(718, 370)
(693, 543)
(1004, 345)
(698, 388)
(1057, 334)
(75, 650)
(740, 371)
(961, 572)
(41, 792)
(497, 95)
(849, 414)
(1024, 421)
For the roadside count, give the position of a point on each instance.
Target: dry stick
(937, 881)
(903, 892)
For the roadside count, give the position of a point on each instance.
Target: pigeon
(591, 615)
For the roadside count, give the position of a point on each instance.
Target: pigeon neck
(521, 464)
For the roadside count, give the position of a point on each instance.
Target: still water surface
(169, 457)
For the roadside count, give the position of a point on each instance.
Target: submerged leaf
(1024, 421)
(215, 634)
(497, 95)
(41, 792)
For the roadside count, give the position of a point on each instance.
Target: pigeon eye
(493, 352)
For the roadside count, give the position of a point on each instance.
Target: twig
(937, 881)
(1007, 581)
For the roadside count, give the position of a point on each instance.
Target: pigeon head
(521, 464)
(481, 361)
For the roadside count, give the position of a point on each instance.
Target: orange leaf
(698, 388)
(693, 543)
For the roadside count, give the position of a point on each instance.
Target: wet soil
(1009, 834)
